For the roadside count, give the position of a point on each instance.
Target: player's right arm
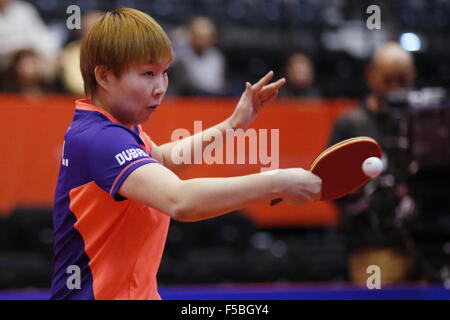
(203, 198)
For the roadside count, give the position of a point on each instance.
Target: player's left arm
(157, 153)
(252, 100)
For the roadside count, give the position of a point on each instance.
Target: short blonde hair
(117, 40)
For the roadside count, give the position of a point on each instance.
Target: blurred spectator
(25, 74)
(21, 27)
(70, 74)
(299, 74)
(199, 67)
(391, 69)
(369, 215)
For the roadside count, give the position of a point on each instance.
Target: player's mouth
(151, 107)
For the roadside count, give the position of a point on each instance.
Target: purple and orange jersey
(115, 244)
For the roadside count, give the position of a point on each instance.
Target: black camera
(416, 128)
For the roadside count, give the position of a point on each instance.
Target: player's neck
(99, 102)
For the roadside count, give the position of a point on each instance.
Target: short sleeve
(114, 153)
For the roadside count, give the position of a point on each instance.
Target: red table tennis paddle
(340, 167)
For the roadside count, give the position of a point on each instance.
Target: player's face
(138, 92)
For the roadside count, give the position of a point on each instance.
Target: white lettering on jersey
(129, 154)
(64, 162)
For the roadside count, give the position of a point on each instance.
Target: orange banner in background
(32, 133)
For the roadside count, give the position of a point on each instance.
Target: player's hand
(253, 99)
(299, 186)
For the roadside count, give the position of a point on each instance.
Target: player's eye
(166, 71)
(149, 73)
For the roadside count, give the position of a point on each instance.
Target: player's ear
(102, 76)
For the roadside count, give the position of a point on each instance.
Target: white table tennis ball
(372, 167)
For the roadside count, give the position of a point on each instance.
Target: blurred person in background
(21, 27)
(199, 68)
(299, 74)
(25, 74)
(368, 217)
(69, 63)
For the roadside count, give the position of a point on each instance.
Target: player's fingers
(263, 81)
(317, 196)
(317, 190)
(271, 91)
(313, 196)
(275, 85)
(248, 87)
(269, 96)
(301, 197)
(248, 92)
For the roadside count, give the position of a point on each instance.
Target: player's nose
(159, 89)
(158, 92)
